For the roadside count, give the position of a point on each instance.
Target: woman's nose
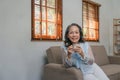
(74, 34)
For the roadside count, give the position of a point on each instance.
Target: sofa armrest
(114, 59)
(54, 71)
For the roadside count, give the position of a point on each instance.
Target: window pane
(46, 20)
(37, 28)
(43, 13)
(91, 9)
(43, 28)
(85, 32)
(37, 1)
(43, 2)
(92, 33)
(51, 29)
(90, 21)
(51, 3)
(85, 24)
(37, 12)
(51, 14)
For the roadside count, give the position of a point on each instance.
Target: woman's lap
(97, 75)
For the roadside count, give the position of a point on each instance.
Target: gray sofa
(55, 70)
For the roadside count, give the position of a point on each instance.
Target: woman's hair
(67, 40)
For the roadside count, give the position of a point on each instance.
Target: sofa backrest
(54, 54)
(100, 54)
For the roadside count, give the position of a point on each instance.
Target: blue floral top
(84, 64)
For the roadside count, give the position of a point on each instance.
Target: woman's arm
(66, 57)
(89, 58)
(85, 53)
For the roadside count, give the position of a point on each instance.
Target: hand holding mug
(70, 50)
(77, 48)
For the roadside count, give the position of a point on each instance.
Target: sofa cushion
(112, 71)
(54, 54)
(100, 54)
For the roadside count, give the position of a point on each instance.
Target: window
(46, 20)
(90, 20)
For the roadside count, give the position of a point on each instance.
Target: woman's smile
(74, 34)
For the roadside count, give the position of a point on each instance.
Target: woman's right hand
(70, 50)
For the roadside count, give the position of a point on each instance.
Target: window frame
(58, 22)
(96, 29)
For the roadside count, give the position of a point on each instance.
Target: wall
(23, 59)
(116, 14)
(105, 23)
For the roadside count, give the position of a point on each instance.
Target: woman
(78, 54)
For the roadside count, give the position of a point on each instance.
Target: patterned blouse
(84, 64)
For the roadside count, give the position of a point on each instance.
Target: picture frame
(118, 21)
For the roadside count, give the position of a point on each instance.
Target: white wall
(116, 14)
(106, 16)
(116, 10)
(23, 59)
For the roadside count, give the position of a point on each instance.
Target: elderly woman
(79, 54)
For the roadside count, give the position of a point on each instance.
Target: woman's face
(74, 34)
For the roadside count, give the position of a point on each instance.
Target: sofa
(55, 70)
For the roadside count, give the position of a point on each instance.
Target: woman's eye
(77, 32)
(71, 33)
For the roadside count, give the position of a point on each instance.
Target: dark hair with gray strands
(67, 40)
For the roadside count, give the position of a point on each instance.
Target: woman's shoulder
(63, 46)
(85, 43)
